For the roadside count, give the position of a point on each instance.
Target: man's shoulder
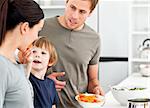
(90, 31)
(50, 20)
(50, 24)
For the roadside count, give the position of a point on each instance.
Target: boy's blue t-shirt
(45, 94)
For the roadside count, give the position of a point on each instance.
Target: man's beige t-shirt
(76, 51)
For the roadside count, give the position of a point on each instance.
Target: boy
(43, 56)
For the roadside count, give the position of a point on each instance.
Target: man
(78, 48)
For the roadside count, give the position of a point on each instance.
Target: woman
(20, 22)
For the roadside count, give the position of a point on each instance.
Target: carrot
(91, 98)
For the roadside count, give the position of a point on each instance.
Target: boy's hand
(25, 57)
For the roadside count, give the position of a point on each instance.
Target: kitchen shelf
(137, 5)
(141, 2)
(138, 32)
(140, 60)
(140, 19)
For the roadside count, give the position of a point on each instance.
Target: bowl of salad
(123, 94)
(87, 100)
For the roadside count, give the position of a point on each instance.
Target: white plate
(89, 104)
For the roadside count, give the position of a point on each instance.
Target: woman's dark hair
(13, 12)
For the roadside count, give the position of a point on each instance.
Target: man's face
(76, 13)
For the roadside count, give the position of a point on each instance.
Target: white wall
(92, 20)
(114, 31)
(114, 27)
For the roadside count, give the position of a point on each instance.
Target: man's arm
(58, 84)
(93, 82)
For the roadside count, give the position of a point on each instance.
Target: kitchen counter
(133, 80)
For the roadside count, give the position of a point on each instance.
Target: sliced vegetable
(88, 98)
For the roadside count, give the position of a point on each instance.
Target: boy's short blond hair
(44, 42)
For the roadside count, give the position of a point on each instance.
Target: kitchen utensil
(139, 103)
(123, 94)
(144, 49)
(145, 69)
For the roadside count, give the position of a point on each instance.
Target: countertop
(135, 79)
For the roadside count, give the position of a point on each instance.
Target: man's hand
(98, 90)
(94, 87)
(58, 84)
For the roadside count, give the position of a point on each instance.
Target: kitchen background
(123, 25)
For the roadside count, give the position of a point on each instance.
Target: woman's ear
(24, 27)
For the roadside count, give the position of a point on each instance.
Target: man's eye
(73, 8)
(82, 11)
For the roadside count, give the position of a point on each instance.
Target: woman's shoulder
(6, 66)
(4, 70)
(3, 62)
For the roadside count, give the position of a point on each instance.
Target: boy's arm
(28, 69)
(26, 58)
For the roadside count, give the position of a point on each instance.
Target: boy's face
(40, 59)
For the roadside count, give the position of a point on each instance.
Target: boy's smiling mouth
(37, 61)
